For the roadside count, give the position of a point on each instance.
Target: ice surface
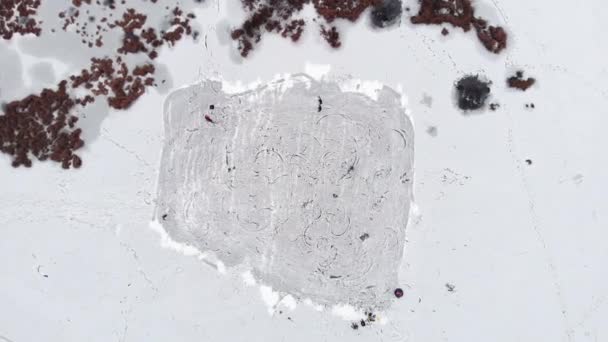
(309, 185)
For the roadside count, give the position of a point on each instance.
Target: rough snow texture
(314, 197)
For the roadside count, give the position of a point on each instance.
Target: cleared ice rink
(308, 184)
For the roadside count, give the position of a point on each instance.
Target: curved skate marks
(265, 177)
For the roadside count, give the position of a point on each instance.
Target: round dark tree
(472, 92)
(386, 13)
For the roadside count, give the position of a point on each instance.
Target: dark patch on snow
(472, 92)
(387, 13)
